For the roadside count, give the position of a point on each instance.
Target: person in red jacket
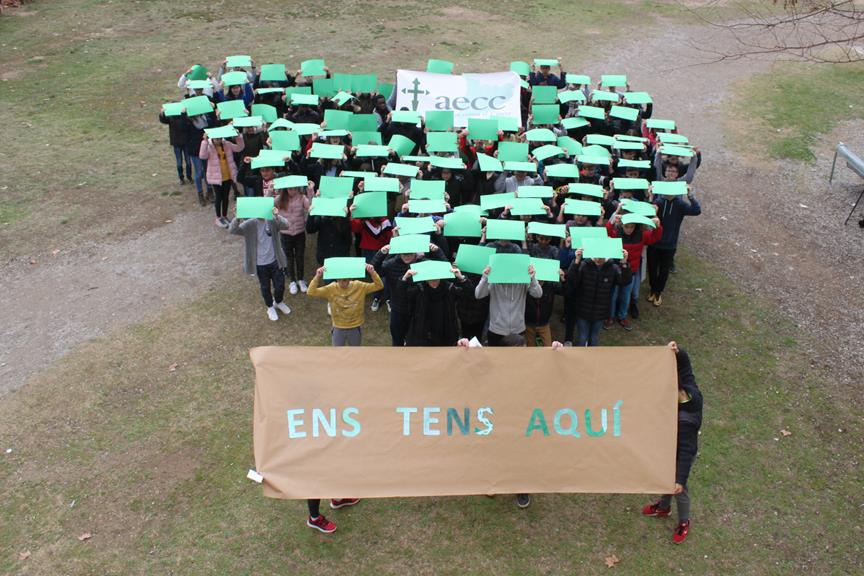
(634, 237)
(375, 233)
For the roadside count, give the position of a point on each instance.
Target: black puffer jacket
(392, 268)
(334, 236)
(592, 286)
(689, 418)
(433, 312)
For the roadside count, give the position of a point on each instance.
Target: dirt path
(750, 226)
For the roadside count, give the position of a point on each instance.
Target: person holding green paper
(669, 168)
(236, 92)
(538, 313)
(221, 171)
(661, 256)
(346, 299)
(196, 72)
(590, 282)
(506, 305)
(433, 309)
(265, 258)
(544, 76)
(293, 205)
(375, 233)
(634, 238)
(178, 139)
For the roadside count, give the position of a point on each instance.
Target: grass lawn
(783, 112)
(153, 462)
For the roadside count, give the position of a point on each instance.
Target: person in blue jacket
(671, 210)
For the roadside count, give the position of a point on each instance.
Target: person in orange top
(634, 237)
(346, 299)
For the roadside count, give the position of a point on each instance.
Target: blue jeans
(181, 154)
(588, 332)
(199, 173)
(621, 298)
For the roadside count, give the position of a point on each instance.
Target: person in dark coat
(433, 309)
(334, 236)
(689, 422)
(473, 312)
(178, 137)
(591, 283)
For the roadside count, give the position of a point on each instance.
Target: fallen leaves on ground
(172, 367)
(785, 432)
(85, 536)
(23, 555)
(611, 561)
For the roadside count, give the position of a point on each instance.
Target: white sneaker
(303, 286)
(375, 304)
(271, 313)
(329, 312)
(292, 288)
(282, 307)
(568, 344)
(388, 306)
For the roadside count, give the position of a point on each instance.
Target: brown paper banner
(332, 422)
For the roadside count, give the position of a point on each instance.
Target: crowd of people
(584, 162)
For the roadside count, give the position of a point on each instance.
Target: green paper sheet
(599, 140)
(432, 270)
(603, 96)
(341, 98)
(585, 189)
(582, 207)
(570, 96)
(630, 183)
(578, 79)
(473, 259)
(623, 145)
(344, 267)
(624, 113)
(496, 201)
(596, 150)
(359, 174)
(441, 142)
(337, 119)
(372, 151)
(198, 73)
(579, 233)
(574, 123)
(626, 138)
(439, 66)
(672, 150)
(395, 169)
(447, 162)
(513, 151)
(405, 117)
(660, 124)
(570, 145)
(669, 188)
(386, 89)
(379, 184)
(314, 67)
(474, 209)
(427, 189)
(637, 207)
(369, 205)
(544, 94)
(364, 83)
(546, 269)
(366, 138)
(593, 159)
(298, 90)
(255, 207)
(324, 87)
(402, 145)
(342, 81)
(670, 138)
(239, 61)
(410, 244)
(592, 112)
(535, 192)
(269, 158)
(292, 181)
(336, 186)
(483, 129)
(197, 105)
(529, 167)
(505, 230)
(426, 206)
(602, 248)
(562, 171)
(439, 120)
(489, 163)
(307, 129)
(199, 84)
(172, 108)
(248, 122)
(640, 164)
(462, 224)
(280, 123)
(363, 123)
(543, 153)
(322, 206)
(520, 68)
(234, 79)
(423, 225)
(527, 207)
(266, 111)
(231, 109)
(509, 269)
(304, 99)
(637, 219)
(544, 229)
(273, 73)
(540, 135)
(415, 159)
(638, 98)
(221, 132)
(546, 62)
(508, 123)
(336, 133)
(613, 80)
(545, 114)
(328, 151)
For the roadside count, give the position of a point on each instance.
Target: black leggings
(314, 507)
(222, 194)
(659, 263)
(295, 252)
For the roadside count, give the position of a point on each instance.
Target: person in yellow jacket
(347, 299)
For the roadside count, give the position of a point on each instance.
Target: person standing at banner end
(347, 303)
(689, 422)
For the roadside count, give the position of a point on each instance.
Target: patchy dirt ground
(775, 227)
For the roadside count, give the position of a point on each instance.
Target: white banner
(468, 95)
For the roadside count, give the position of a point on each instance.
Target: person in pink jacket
(221, 171)
(293, 205)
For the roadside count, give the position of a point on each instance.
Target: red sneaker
(607, 323)
(337, 503)
(321, 524)
(656, 510)
(625, 323)
(681, 532)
